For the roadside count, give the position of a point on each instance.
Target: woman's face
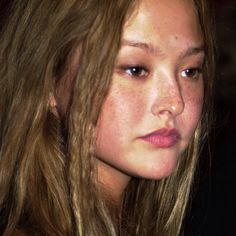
(156, 96)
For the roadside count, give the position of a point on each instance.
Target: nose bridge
(168, 95)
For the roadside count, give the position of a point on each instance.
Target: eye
(135, 71)
(191, 73)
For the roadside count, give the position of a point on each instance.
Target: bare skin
(157, 87)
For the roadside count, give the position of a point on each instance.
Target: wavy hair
(48, 183)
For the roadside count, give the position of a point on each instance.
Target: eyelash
(136, 71)
(194, 73)
(140, 72)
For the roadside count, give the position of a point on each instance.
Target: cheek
(123, 106)
(120, 116)
(193, 108)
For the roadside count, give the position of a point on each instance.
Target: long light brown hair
(47, 172)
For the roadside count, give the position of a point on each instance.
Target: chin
(157, 172)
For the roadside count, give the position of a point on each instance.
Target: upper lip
(163, 132)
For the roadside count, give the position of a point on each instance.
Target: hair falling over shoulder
(47, 174)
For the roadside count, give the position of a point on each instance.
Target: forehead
(160, 18)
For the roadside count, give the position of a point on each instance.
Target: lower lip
(162, 141)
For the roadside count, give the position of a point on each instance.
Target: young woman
(103, 106)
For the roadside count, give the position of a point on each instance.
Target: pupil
(190, 72)
(136, 70)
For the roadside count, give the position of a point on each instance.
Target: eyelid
(123, 69)
(195, 72)
(195, 66)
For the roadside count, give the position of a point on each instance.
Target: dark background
(213, 208)
(213, 204)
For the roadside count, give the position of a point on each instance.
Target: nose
(168, 100)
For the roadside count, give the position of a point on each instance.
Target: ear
(53, 107)
(60, 96)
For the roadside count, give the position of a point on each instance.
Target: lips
(162, 138)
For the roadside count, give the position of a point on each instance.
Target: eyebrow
(191, 51)
(154, 50)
